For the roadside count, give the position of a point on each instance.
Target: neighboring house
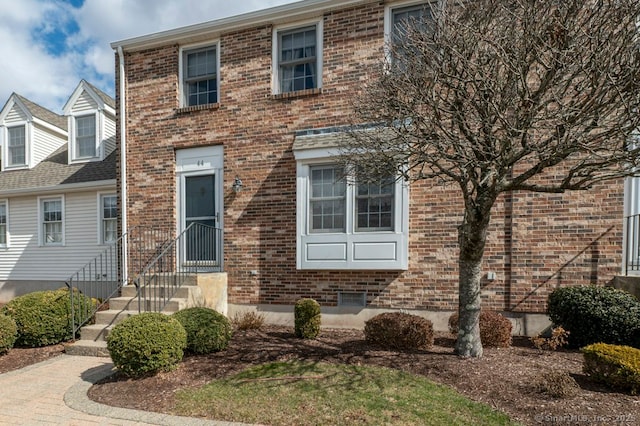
(57, 189)
(234, 123)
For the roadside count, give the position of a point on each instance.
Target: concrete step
(181, 292)
(95, 332)
(113, 316)
(87, 348)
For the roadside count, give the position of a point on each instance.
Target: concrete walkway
(54, 392)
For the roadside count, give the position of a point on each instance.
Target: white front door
(199, 172)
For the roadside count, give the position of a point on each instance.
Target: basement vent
(352, 299)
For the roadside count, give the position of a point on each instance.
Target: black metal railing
(632, 244)
(197, 249)
(103, 277)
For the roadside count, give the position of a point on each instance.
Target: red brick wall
(537, 242)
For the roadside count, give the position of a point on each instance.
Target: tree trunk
(472, 235)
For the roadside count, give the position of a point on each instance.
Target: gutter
(123, 166)
(274, 15)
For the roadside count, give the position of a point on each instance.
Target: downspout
(123, 166)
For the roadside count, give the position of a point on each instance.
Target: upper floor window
(16, 147)
(299, 58)
(85, 146)
(108, 218)
(200, 76)
(52, 225)
(3, 223)
(399, 19)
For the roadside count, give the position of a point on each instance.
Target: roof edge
(234, 22)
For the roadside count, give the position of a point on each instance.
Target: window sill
(297, 94)
(185, 110)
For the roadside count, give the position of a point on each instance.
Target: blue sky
(50, 45)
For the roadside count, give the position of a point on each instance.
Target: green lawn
(296, 393)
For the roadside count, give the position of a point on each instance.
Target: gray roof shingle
(54, 170)
(44, 114)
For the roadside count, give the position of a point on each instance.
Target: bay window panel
(327, 201)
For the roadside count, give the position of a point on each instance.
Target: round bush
(397, 330)
(8, 333)
(44, 317)
(207, 330)
(307, 318)
(495, 330)
(596, 315)
(147, 343)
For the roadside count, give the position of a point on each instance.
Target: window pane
(327, 202)
(52, 221)
(16, 145)
(3, 224)
(200, 77)
(374, 205)
(109, 218)
(86, 137)
(297, 60)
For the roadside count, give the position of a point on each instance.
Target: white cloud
(31, 69)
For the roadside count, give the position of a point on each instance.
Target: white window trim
(41, 200)
(7, 239)
(181, 52)
(100, 215)
(343, 250)
(388, 19)
(99, 123)
(275, 53)
(27, 146)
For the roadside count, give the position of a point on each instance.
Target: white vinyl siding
(26, 259)
(85, 104)
(45, 143)
(109, 133)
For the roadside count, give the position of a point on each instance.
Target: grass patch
(302, 393)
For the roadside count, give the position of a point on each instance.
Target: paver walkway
(54, 392)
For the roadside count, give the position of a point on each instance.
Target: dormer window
(85, 143)
(16, 146)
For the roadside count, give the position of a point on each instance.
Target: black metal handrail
(198, 248)
(632, 244)
(103, 277)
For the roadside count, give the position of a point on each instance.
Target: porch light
(237, 184)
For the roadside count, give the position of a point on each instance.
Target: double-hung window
(200, 76)
(400, 18)
(3, 223)
(298, 58)
(85, 144)
(16, 146)
(344, 222)
(52, 221)
(108, 219)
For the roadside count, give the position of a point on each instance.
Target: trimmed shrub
(399, 331)
(495, 330)
(556, 340)
(147, 343)
(248, 320)
(596, 315)
(556, 384)
(614, 365)
(307, 318)
(8, 333)
(207, 330)
(44, 317)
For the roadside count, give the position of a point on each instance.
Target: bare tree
(503, 95)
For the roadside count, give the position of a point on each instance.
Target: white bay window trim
(51, 226)
(352, 249)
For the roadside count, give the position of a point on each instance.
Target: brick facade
(537, 241)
